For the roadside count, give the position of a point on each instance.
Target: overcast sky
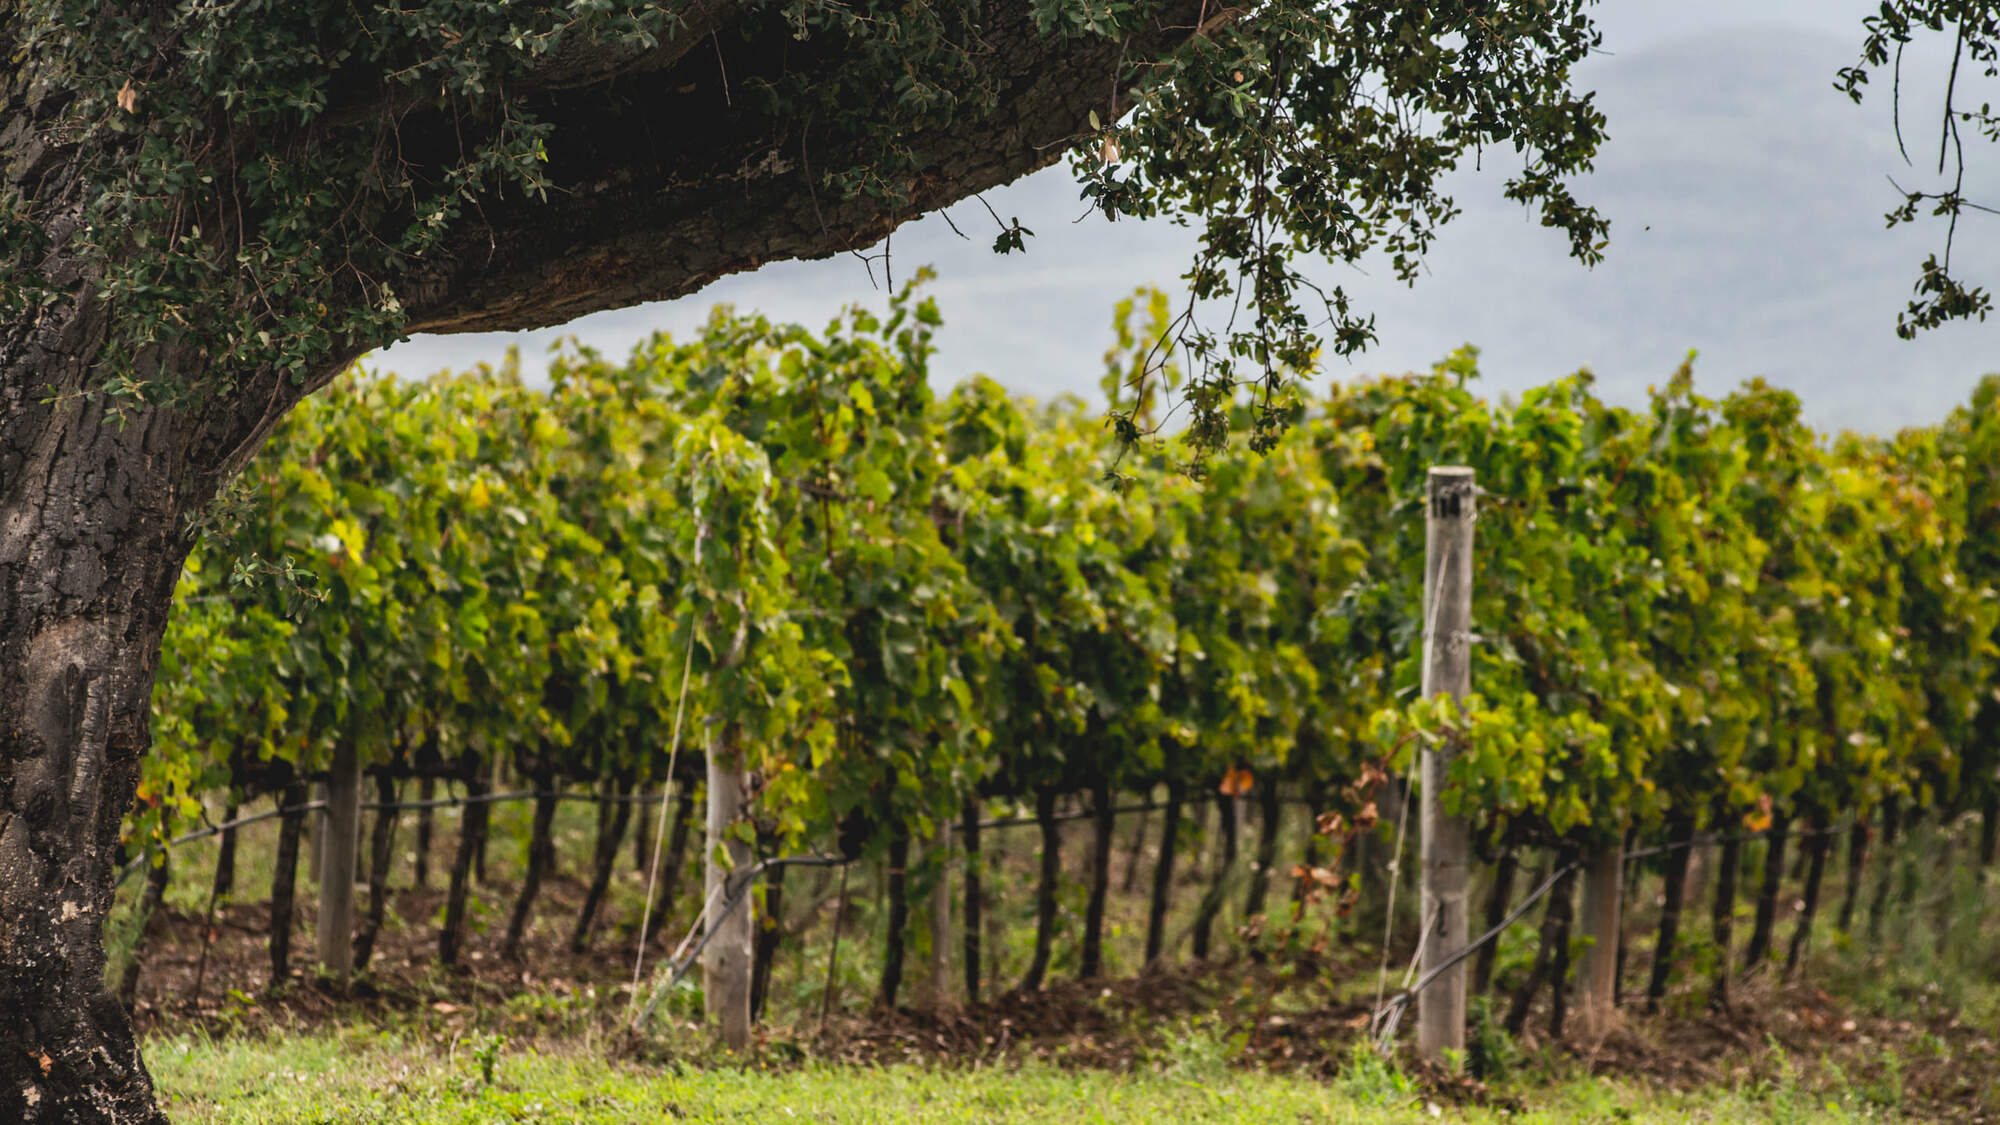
(1746, 197)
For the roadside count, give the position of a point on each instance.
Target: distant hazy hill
(1746, 198)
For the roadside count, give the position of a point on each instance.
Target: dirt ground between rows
(1942, 1066)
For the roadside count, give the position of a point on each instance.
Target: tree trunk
(1204, 845)
(1224, 867)
(471, 839)
(1857, 862)
(284, 883)
(969, 818)
(770, 928)
(604, 858)
(1045, 888)
(1103, 821)
(541, 859)
(1989, 826)
(149, 904)
(674, 864)
(1680, 834)
(1130, 880)
(1816, 848)
(1885, 866)
(1270, 817)
(1722, 918)
(1559, 966)
(726, 964)
(899, 917)
(1555, 930)
(1497, 898)
(420, 879)
(1163, 873)
(1597, 983)
(642, 835)
(381, 859)
(225, 856)
(1767, 893)
(479, 845)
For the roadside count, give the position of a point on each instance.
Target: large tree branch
(668, 179)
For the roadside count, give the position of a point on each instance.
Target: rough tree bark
(666, 180)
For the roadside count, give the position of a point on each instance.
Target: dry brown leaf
(128, 97)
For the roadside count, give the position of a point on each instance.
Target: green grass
(366, 1077)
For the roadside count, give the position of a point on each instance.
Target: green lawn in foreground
(322, 1078)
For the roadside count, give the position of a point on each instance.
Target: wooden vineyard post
(1447, 609)
(727, 962)
(1597, 983)
(339, 846)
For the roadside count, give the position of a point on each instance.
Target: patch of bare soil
(1939, 1069)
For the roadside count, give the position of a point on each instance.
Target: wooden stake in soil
(1447, 609)
(937, 977)
(726, 963)
(338, 853)
(1597, 983)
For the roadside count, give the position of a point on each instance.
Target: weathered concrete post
(1447, 636)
